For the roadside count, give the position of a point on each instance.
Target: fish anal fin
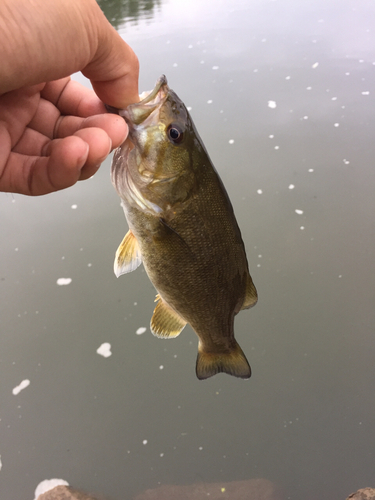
(166, 323)
(128, 256)
(251, 295)
(233, 362)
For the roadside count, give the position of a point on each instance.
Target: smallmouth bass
(183, 228)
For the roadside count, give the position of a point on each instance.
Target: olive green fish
(182, 227)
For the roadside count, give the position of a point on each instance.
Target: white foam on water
(141, 330)
(47, 485)
(25, 383)
(104, 350)
(64, 281)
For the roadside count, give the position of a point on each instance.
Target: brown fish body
(183, 228)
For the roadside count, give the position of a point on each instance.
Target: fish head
(156, 166)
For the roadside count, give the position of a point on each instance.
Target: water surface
(282, 93)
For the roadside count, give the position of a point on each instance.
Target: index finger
(72, 98)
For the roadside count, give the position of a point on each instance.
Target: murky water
(282, 93)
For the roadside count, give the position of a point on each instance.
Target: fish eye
(175, 133)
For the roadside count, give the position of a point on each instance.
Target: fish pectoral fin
(233, 362)
(166, 323)
(128, 256)
(251, 295)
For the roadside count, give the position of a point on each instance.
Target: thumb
(114, 68)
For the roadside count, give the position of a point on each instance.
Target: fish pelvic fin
(128, 255)
(251, 295)
(166, 323)
(233, 362)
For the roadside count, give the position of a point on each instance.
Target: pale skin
(54, 131)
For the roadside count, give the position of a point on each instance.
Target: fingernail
(110, 145)
(100, 160)
(81, 160)
(125, 135)
(96, 167)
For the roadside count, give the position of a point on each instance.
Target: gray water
(283, 94)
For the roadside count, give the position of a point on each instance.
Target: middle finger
(45, 118)
(114, 125)
(31, 143)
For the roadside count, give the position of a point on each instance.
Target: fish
(183, 229)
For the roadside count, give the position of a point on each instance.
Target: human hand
(54, 131)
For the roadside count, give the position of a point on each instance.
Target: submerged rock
(363, 494)
(251, 489)
(64, 493)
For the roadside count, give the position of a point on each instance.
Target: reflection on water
(121, 11)
(283, 96)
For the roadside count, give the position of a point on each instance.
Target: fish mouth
(140, 112)
(151, 95)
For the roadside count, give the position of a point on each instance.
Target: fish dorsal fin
(233, 362)
(128, 256)
(165, 322)
(251, 295)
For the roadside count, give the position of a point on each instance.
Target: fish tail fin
(233, 362)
